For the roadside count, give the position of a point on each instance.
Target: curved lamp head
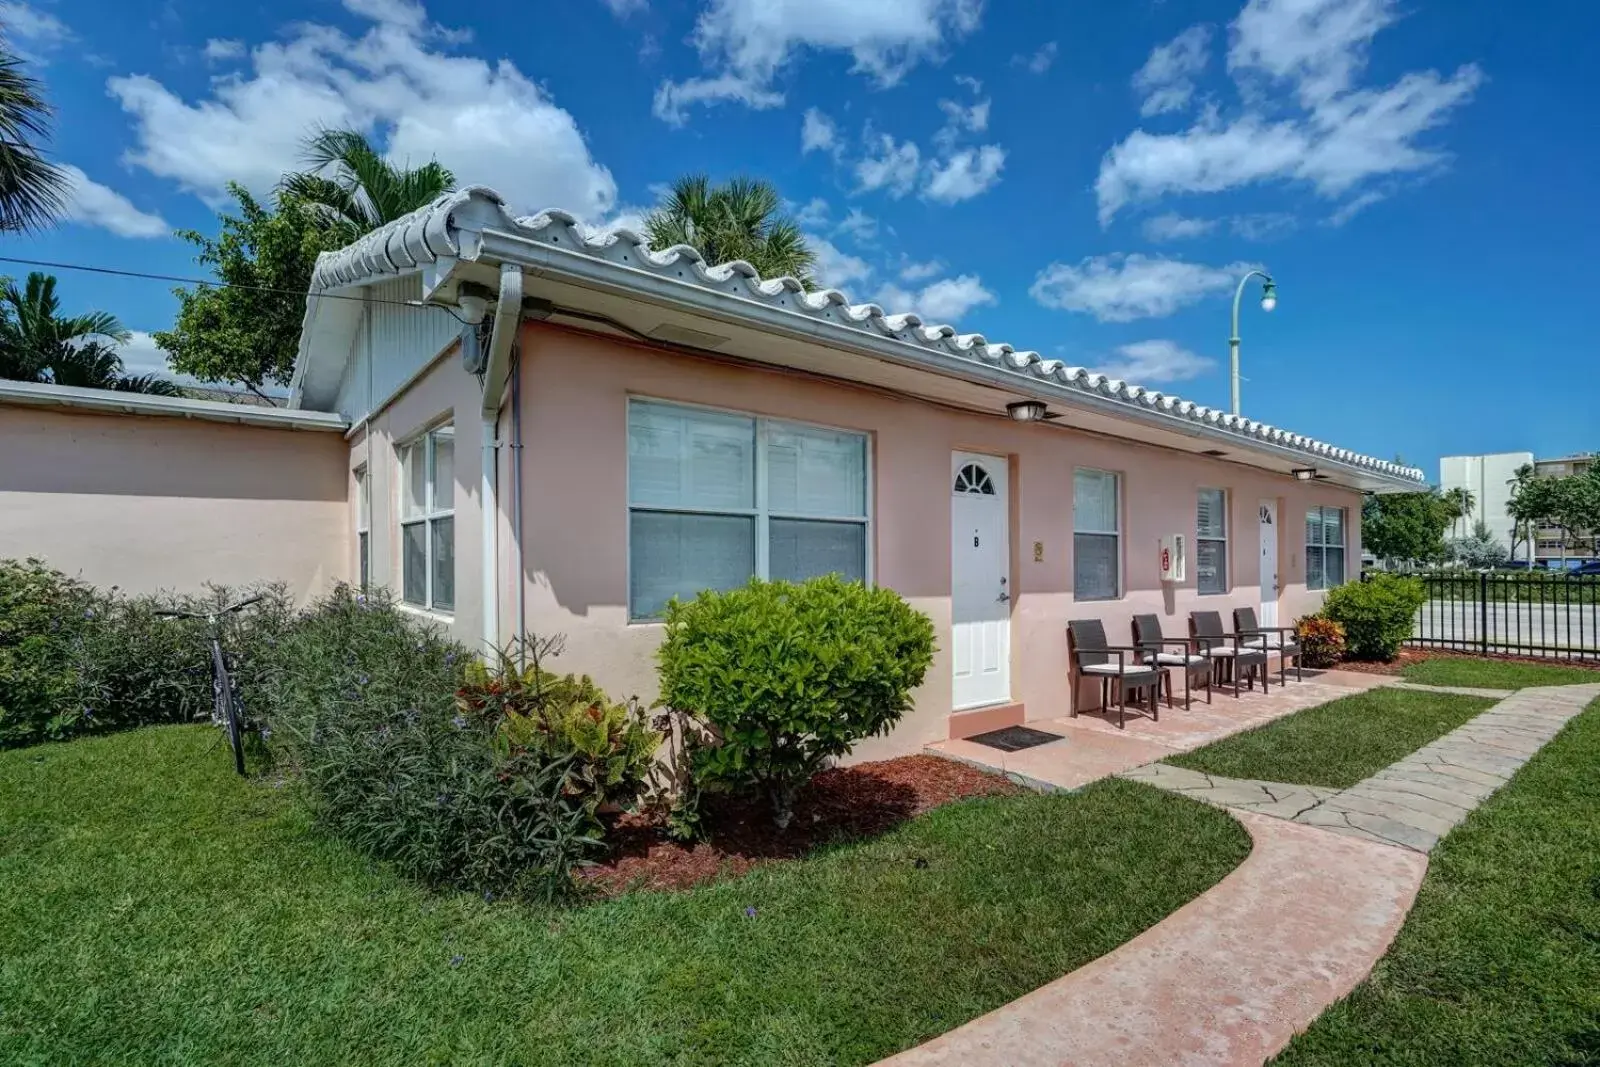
(1269, 296)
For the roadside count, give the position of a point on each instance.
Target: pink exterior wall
(576, 391)
(443, 393)
(156, 503)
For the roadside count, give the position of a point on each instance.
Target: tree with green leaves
(353, 190)
(739, 219)
(1461, 503)
(1569, 503)
(1406, 527)
(33, 191)
(1480, 549)
(39, 344)
(246, 330)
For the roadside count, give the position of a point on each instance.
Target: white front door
(980, 580)
(1269, 563)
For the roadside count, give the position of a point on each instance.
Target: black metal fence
(1551, 615)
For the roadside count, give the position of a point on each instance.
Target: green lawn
(1339, 743)
(1495, 674)
(155, 909)
(1499, 962)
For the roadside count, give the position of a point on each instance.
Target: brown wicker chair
(1173, 653)
(1225, 649)
(1092, 655)
(1284, 640)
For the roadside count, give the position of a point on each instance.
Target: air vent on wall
(682, 335)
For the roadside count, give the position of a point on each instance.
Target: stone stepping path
(1416, 801)
(1459, 690)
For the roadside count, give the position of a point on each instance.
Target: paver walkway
(1459, 690)
(1231, 976)
(1416, 801)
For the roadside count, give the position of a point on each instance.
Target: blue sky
(1082, 179)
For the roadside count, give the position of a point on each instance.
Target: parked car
(1590, 567)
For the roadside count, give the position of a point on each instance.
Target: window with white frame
(1324, 547)
(716, 498)
(1096, 536)
(427, 521)
(363, 529)
(1211, 541)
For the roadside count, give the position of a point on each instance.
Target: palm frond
(149, 384)
(33, 191)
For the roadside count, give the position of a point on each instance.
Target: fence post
(1483, 612)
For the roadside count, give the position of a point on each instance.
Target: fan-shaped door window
(974, 480)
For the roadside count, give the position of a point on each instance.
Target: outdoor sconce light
(1304, 474)
(1027, 411)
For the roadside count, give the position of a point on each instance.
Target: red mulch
(843, 803)
(1417, 655)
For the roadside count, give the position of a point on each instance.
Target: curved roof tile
(452, 225)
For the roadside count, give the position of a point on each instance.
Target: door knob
(1003, 597)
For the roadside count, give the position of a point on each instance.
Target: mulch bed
(1418, 655)
(840, 804)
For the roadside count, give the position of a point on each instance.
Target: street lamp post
(1269, 300)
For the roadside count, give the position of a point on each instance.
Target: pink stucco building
(615, 426)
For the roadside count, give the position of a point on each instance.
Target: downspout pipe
(502, 337)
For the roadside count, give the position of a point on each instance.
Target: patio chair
(1280, 639)
(1173, 652)
(1091, 654)
(1232, 659)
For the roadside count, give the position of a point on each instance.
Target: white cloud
(93, 204)
(1166, 81)
(1039, 61)
(1355, 207)
(41, 30)
(834, 268)
(914, 271)
(944, 301)
(489, 123)
(141, 356)
(859, 225)
(1122, 288)
(894, 168)
(623, 217)
(965, 174)
(813, 214)
(623, 8)
(745, 43)
(220, 49)
(960, 119)
(1173, 227)
(1336, 140)
(1155, 361)
(1320, 45)
(967, 81)
(818, 133)
(1263, 226)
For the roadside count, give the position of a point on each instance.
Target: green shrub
(528, 710)
(1377, 614)
(790, 676)
(75, 660)
(1321, 641)
(43, 614)
(362, 700)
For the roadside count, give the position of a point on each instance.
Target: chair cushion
(1114, 670)
(1273, 642)
(1176, 659)
(1222, 650)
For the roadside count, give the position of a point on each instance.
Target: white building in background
(1488, 479)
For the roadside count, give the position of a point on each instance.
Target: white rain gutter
(502, 336)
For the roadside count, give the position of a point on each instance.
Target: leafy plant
(42, 617)
(362, 700)
(1321, 639)
(529, 710)
(790, 676)
(1377, 614)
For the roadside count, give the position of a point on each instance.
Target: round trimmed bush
(789, 676)
(1377, 614)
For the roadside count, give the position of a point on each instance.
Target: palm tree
(354, 190)
(33, 191)
(38, 345)
(736, 220)
(1461, 502)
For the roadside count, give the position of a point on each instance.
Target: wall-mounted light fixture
(1304, 474)
(1028, 411)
